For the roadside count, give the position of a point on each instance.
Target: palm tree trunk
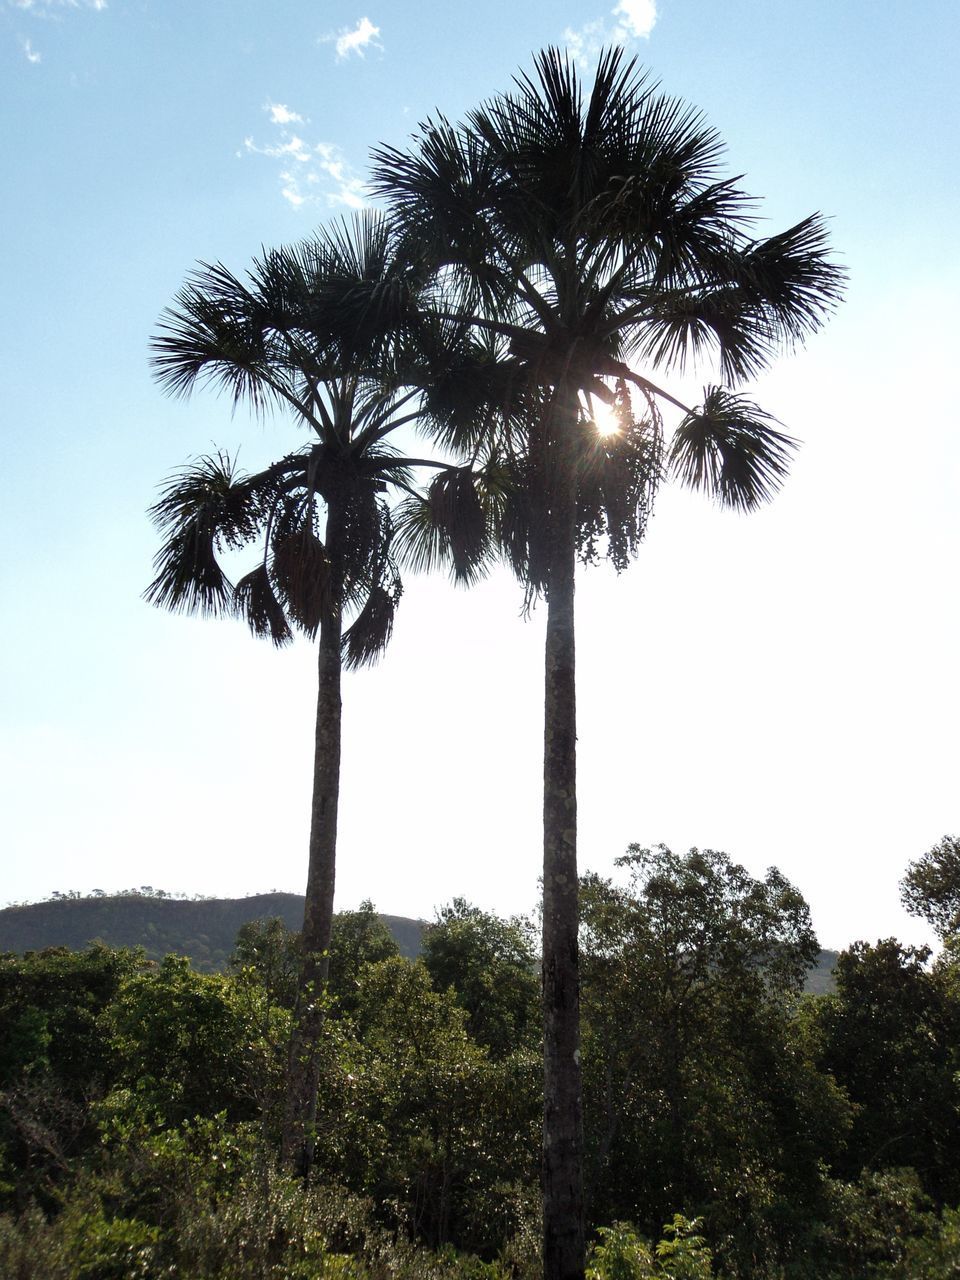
(303, 1068)
(563, 1230)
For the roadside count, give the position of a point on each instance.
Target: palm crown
(582, 237)
(258, 341)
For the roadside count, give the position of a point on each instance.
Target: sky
(782, 686)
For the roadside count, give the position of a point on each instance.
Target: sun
(606, 419)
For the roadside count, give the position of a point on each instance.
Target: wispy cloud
(354, 39)
(311, 173)
(30, 53)
(630, 20)
(45, 6)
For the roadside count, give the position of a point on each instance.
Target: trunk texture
(303, 1068)
(563, 1228)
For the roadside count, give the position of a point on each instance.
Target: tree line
(733, 1126)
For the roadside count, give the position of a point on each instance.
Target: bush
(682, 1254)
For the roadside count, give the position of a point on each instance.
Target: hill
(204, 929)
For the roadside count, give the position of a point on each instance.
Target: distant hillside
(204, 929)
(820, 978)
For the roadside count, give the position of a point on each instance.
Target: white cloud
(637, 17)
(355, 41)
(30, 53)
(311, 173)
(280, 114)
(631, 20)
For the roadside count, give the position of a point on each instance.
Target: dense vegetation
(778, 1135)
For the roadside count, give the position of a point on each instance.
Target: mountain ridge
(203, 929)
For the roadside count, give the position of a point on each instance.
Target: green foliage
(415, 1115)
(50, 1006)
(271, 951)
(491, 966)
(700, 1089)
(931, 887)
(862, 1227)
(193, 1044)
(682, 1254)
(890, 1035)
(205, 1202)
(358, 939)
(137, 1101)
(55, 1060)
(935, 1255)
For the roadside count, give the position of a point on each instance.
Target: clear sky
(782, 686)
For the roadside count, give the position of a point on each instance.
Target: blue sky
(784, 687)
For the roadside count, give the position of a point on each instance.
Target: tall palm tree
(319, 514)
(590, 240)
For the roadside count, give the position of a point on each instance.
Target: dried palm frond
(369, 634)
(301, 571)
(189, 578)
(256, 601)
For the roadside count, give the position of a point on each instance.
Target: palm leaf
(189, 578)
(369, 634)
(203, 508)
(446, 527)
(731, 450)
(257, 602)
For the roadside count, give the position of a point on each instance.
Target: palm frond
(214, 332)
(203, 508)
(367, 637)
(257, 603)
(792, 279)
(189, 578)
(446, 527)
(731, 450)
(210, 492)
(690, 324)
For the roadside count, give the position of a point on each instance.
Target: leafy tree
(490, 964)
(933, 1255)
(931, 887)
(577, 237)
(891, 1037)
(863, 1228)
(414, 1114)
(272, 952)
(189, 1045)
(319, 514)
(701, 1091)
(359, 938)
(55, 1061)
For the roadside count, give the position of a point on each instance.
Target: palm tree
(588, 241)
(319, 514)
